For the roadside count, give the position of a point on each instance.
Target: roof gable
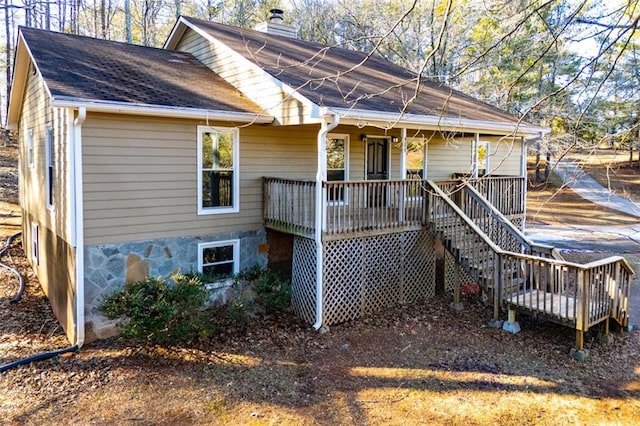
(335, 77)
(87, 69)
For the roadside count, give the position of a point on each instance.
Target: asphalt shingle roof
(85, 68)
(335, 77)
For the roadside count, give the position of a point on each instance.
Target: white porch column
(474, 156)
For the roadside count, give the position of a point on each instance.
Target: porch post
(403, 155)
(474, 156)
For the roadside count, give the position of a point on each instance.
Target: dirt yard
(421, 364)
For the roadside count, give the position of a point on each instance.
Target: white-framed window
(337, 165)
(35, 243)
(30, 149)
(49, 159)
(416, 154)
(483, 154)
(219, 259)
(218, 173)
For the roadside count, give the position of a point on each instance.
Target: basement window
(219, 259)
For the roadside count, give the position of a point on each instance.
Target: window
(219, 259)
(415, 166)
(218, 177)
(35, 243)
(49, 164)
(337, 164)
(30, 149)
(483, 158)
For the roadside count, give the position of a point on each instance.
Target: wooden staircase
(517, 274)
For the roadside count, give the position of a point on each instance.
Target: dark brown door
(377, 169)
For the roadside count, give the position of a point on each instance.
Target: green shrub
(155, 311)
(273, 293)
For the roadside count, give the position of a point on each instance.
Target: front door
(377, 169)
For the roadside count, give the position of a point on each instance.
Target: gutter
(398, 120)
(321, 175)
(161, 111)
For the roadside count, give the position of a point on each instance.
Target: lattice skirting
(364, 275)
(303, 279)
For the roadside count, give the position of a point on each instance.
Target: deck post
(456, 305)
(579, 340)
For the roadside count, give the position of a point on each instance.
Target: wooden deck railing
(498, 227)
(505, 193)
(290, 205)
(581, 295)
(363, 206)
(349, 207)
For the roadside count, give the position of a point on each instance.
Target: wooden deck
(518, 273)
(562, 307)
(354, 207)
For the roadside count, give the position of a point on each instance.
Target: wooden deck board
(559, 306)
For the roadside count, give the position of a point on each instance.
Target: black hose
(38, 357)
(13, 270)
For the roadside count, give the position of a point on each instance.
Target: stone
(324, 329)
(456, 307)
(496, 323)
(579, 355)
(136, 269)
(100, 327)
(511, 327)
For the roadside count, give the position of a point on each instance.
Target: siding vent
(275, 25)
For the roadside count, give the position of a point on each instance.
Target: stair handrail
(508, 226)
(581, 323)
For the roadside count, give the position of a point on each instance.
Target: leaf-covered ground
(420, 364)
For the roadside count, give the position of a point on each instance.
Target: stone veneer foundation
(108, 266)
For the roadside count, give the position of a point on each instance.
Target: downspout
(321, 176)
(78, 226)
(78, 239)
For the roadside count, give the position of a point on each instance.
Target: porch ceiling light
(394, 139)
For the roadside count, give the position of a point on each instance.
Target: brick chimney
(274, 25)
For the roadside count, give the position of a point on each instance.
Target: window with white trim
(219, 259)
(218, 175)
(30, 149)
(415, 165)
(35, 243)
(337, 164)
(49, 159)
(483, 158)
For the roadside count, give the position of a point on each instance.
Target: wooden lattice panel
(419, 266)
(382, 272)
(303, 279)
(343, 283)
(364, 275)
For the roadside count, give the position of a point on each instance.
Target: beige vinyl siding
(247, 77)
(140, 176)
(445, 157)
(455, 156)
(505, 156)
(38, 115)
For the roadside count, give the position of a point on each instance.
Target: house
(232, 147)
